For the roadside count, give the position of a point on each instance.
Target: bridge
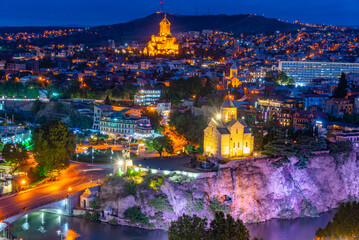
(54, 196)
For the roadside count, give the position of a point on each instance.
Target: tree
(188, 125)
(280, 78)
(160, 145)
(188, 228)
(107, 100)
(225, 227)
(14, 155)
(345, 223)
(279, 145)
(221, 227)
(341, 91)
(54, 145)
(36, 106)
(154, 116)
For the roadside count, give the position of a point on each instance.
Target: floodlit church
(226, 136)
(164, 43)
(233, 78)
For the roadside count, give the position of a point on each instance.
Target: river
(45, 226)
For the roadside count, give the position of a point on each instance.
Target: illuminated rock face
(252, 191)
(163, 43)
(226, 136)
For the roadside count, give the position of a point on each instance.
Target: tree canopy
(54, 145)
(155, 118)
(188, 125)
(160, 144)
(222, 227)
(279, 78)
(14, 155)
(341, 91)
(345, 224)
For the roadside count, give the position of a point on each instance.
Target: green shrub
(217, 206)
(113, 221)
(302, 162)
(341, 147)
(156, 184)
(198, 205)
(95, 216)
(87, 215)
(135, 215)
(161, 202)
(280, 162)
(95, 205)
(130, 188)
(133, 173)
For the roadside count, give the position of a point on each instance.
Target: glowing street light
(218, 116)
(60, 233)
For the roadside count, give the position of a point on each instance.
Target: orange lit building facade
(164, 43)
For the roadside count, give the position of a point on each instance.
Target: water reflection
(296, 229)
(44, 226)
(47, 229)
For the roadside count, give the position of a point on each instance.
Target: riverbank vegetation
(345, 224)
(222, 227)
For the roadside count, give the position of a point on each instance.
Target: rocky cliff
(253, 191)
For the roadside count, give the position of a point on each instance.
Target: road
(77, 176)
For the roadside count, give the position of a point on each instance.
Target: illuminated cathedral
(163, 43)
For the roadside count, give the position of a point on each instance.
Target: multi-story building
(281, 111)
(337, 107)
(147, 97)
(317, 100)
(120, 124)
(99, 111)
(14, 134)
(304, 72)
(302, 119)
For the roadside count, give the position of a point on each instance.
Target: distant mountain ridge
(141, 29)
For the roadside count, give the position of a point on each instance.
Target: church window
(237, 130)
(246, 144)
(234, 145)
(238, 144)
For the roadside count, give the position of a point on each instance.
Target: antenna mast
(161, 4)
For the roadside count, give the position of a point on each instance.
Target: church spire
(165, 27)
(228, 110)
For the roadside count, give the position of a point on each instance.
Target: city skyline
(43, 13)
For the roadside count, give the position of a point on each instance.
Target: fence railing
(32, 207)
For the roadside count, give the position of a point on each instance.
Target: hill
(142, 29)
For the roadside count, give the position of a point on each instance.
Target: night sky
(99, 12)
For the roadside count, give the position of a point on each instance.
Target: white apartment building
(304, 72)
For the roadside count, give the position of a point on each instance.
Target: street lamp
(60, 233)
(22, 183)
